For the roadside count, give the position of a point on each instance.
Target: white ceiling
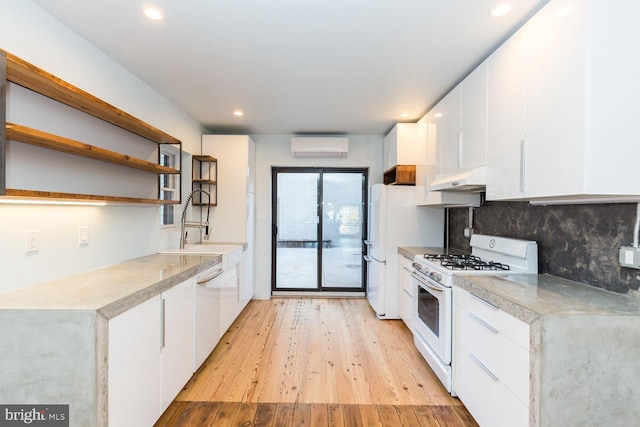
(296, 66)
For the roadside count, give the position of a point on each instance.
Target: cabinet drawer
(507, 360)
(515, 329)
(488, 400)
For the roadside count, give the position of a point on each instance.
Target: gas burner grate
(466, 262)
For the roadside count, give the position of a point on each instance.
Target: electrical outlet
(630, 257)
(31, 241)
(83, 235)
(468, 232)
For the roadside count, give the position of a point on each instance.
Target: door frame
(275, 170)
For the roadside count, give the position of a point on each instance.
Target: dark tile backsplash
(576, 242)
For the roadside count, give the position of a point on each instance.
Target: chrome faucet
(193, 224)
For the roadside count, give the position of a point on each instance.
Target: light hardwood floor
(315, 361)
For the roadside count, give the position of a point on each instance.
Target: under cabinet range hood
(470, 181)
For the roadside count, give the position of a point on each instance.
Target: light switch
(83, 235)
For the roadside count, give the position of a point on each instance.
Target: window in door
(319, 218)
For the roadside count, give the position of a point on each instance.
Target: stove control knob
(435, 276)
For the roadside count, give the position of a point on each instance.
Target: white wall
(117, 233)
(274, 150)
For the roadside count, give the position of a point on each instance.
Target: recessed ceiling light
(437, 115)
(500, 9)
(238, 113)
(404, 115)
(152, 13)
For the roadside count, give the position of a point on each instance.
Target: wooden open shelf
(20, 72)
(53, 142)
(27, 75)
(31, 194)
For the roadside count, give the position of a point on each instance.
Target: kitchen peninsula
(582, 346)
(55, 336)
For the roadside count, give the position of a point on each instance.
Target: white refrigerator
(395, 220)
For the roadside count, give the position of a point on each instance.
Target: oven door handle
(427, 284)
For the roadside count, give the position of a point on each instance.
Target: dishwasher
(212, 287)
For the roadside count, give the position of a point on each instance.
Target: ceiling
(296, 66)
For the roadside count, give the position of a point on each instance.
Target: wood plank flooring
(315, 362)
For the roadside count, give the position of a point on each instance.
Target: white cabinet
(461, 125)
(571, 65)
(506, 121)
(427, 143)
(491, 362)
(150, 356)
(177, 339)
(473, 119)
(400, 145)
(408, 302)
(446, 117)
(234, 218)
(134, 365)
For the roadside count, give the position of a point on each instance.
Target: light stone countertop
(528, 296)
(584, 348)
(110, 290)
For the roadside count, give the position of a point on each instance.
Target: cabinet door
(473, 119)
(177, 339)
(505, 121)
(422, 133)
(448, 114)
(408, 309)
(390, 144)
(554, 45)
(134, 365)
(400, 145)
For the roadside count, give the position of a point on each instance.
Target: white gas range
(433, 279)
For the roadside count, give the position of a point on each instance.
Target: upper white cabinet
(562, 101)
(428, 137)
(473, 119)
(400, 145)
(446, 118)
(505, 121)
(461, 125)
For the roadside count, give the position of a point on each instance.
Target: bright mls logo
(34, 415)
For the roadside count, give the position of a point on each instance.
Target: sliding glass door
(319, 217)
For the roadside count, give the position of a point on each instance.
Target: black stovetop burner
(465, 262)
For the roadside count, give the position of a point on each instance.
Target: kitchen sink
(231, 253)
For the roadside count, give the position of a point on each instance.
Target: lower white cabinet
(491, 362)
(134, 365)
(177, 339)
(150, 356)
(408, 304)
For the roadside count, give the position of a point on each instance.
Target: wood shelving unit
(18, 71)
(205, 172)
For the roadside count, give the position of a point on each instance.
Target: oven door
(433, 323)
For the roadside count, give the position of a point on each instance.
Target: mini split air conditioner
(320, 146)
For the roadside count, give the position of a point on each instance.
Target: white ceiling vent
(320, 146)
